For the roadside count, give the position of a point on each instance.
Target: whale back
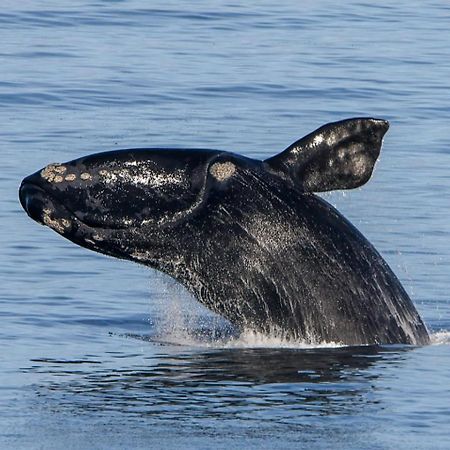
(290, 264)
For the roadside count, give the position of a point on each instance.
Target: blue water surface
(100, 353)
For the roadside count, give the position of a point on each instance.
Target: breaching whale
(249, 239)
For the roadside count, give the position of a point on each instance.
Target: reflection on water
(291, 384)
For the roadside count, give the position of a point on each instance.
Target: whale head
(126, 203)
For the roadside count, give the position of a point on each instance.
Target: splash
(182, 320)
(217, 338)
(440, 338)
(185, 322)
(253, 339)
(190, 324)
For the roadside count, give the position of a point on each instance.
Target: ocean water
(100, 353)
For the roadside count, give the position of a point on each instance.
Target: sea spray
(440, 338)
(182, 320)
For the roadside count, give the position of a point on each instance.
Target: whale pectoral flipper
(339, 155)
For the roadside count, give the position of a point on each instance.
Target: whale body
(249, 239)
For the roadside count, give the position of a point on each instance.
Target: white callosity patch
(59, 225)
(137, 173)
(53, 173)
(70, 177)
(56, 173)
(221, 171)
(85, 176)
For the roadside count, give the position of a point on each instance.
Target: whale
(250, 239)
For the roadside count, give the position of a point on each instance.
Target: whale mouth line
(43, 207)
(30, 192)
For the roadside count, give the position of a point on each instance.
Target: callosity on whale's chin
(248, 238)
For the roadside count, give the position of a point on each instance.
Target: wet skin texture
(249, 239)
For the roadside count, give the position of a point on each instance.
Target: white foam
(184, 336)
(440, 338)
(253, 339)
(184, 322)
(247, 339)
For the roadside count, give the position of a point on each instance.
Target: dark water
(99, 353)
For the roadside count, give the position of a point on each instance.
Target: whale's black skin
(248, 238)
